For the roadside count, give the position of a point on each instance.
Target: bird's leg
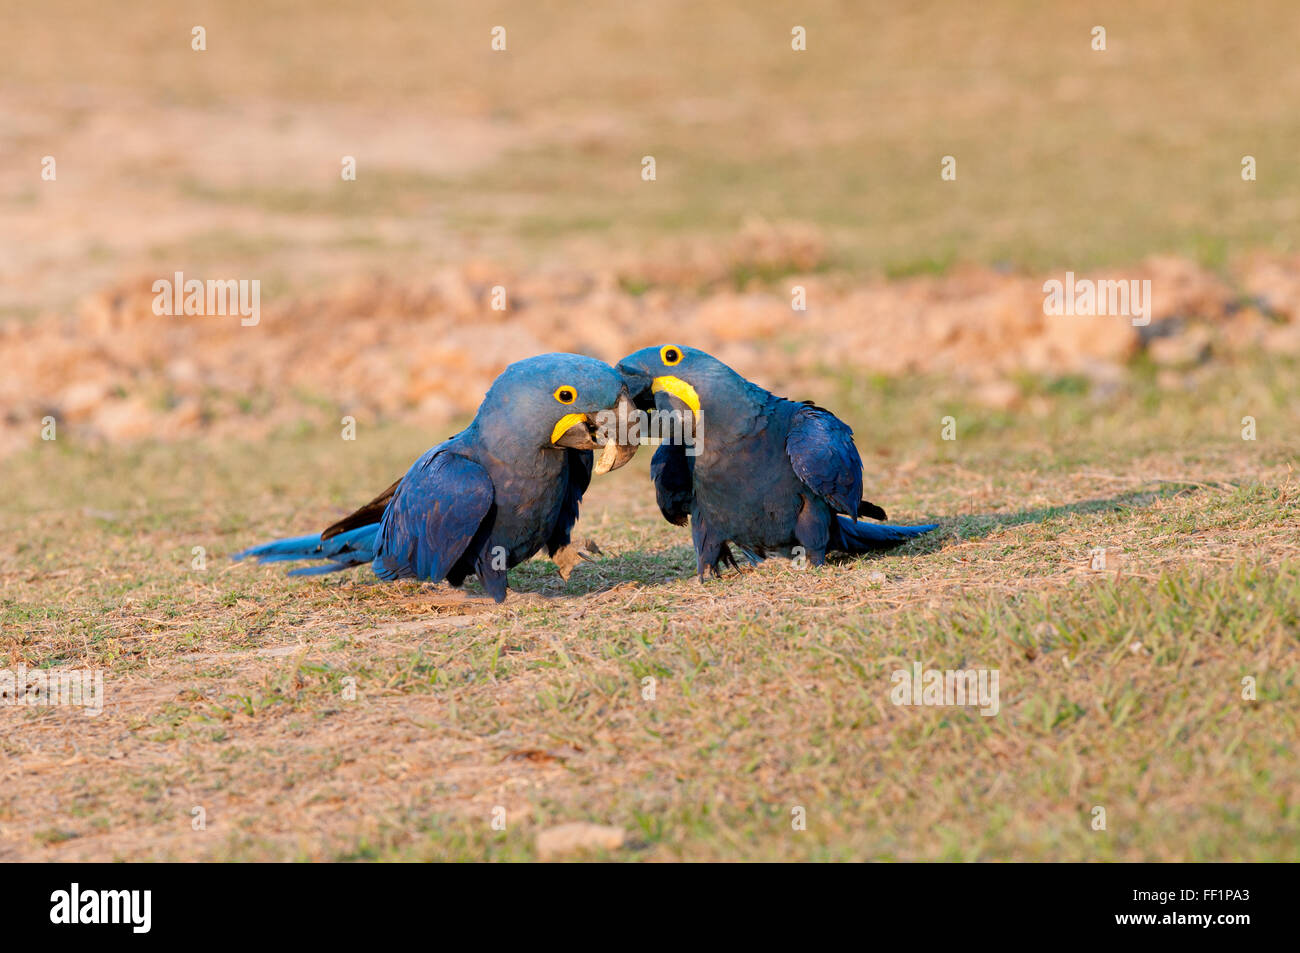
(709, 550)
(812, 530)
(491, 574)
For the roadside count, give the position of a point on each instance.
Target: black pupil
(566, 395)
(672, 355)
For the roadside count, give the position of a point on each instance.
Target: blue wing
(670, 469)
(820, 447)
(577, 477)
(441, 512)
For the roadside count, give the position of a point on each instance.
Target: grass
(344, 720)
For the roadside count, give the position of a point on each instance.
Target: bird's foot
(715, 568)
(568, 557)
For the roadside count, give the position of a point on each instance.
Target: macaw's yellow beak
(599, 432)
(564, 423)
(679, 389)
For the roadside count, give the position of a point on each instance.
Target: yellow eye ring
(670, 354)
(566, 394)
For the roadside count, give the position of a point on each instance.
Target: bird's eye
(671, 354)
(566, 395)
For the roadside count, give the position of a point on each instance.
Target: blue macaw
(490, 497)
(772, 476)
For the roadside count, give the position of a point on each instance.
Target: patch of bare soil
(380, 347)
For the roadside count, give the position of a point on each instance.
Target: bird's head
(673, 377)
(561, 400)
(667, 369)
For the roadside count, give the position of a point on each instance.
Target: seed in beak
(605, 462)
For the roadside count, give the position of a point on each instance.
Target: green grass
(1119, 688)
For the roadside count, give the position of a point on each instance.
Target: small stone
(580, 835)
(81, 399)
(1189, 348)
(1000, 395)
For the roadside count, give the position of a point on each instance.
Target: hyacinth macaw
(490, 497)
(773, 476)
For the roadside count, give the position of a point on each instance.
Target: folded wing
(670, 469)
(820, 447)
(438, 522)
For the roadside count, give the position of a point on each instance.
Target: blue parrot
(750, 468)
(494, 494)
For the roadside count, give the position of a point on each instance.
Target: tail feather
(855, 537)
(353, 548)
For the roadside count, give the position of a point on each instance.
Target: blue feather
(348, 549)
(858, 537)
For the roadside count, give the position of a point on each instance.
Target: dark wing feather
(577, 477)
(671, 471)
(872, 510)
(372, 512)
(436, 511)
(820, 447)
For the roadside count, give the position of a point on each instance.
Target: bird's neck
(734, 413)
(505, 444)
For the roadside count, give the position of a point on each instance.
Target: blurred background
(521, 168)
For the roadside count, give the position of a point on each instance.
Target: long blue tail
(353, 548)
(855, 537)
